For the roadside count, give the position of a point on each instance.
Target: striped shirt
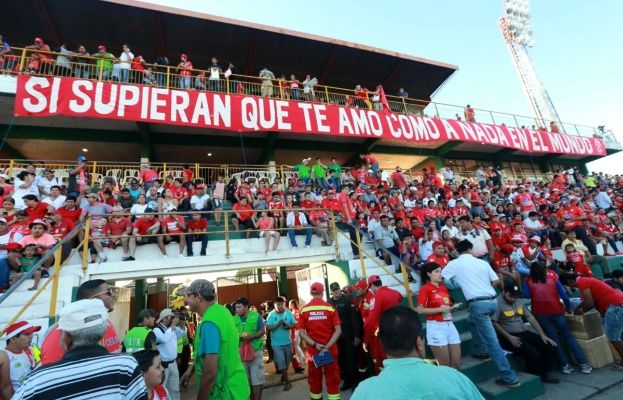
(86, 372)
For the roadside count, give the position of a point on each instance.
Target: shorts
(441, 333)
(282, 356)
(146, 240)
(246, 224)
(271, 233)
(255, 369)
(613, 322)
(218, 204)
(175, 237)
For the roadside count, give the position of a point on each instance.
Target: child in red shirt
(577, 261)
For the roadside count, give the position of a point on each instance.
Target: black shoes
(501, 382)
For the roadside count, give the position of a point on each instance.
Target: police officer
(351, 335)
(319, 326)
(141, 336)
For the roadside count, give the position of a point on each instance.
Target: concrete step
(531, 386)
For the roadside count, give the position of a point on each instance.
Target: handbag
(247, 354)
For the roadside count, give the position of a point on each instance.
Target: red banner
(47, 96)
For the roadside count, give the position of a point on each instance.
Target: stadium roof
(154, 30)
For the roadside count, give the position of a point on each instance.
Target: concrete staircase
(482, 373)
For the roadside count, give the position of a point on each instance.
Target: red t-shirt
(577, 258)
(52, 351)
(173, 223)
(319, 320)
(148, 175)
(39, 212)
(188, 175)
(442, 260)
(603, 295)
(119, 227)
(525, 202)
(142, 225)
(72, 215)
(243, 211)
(384, 299)
(432, 296)
(343, 199)
(198, 226)
(60, 230)
(369, 159)
(568, 215)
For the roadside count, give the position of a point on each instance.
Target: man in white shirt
(602, 200)
(475, 277)
(200, 200)
(448, 174)
(533, 224)
(374, 222)
(479, 238)
(297, 225)
(385, 237)
(166, 333)
(449, 226)
(55, 199)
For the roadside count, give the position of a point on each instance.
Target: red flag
(383, 99)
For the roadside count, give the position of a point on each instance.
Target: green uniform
(319, 171)
(336, 168)
(136, 339)
(231, 378)
(250, 327)
(304, 171)
(105, 63)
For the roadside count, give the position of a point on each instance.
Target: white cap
(165, 313)
(82, 314)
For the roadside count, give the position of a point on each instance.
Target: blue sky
(577, 53)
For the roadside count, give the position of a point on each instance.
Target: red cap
(373, 278)
(101, 47)
(38, 40)
(13, 246)
(361, 284)
(183, 55)
(316, 288)
(24, 327)
(201, 186)
(347, 289)
(437, 244)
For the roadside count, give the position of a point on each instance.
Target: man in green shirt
(337, 172)
(141, 336)
(408, 376)
(319, 171)
(250, 325)
(303, 171)
(104, 62)
(218, 368)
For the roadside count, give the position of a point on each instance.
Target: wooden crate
(597, 351)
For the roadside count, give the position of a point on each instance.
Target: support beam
(43, 13)
(147, 149)
(140, 292)
(268, 152)
(251, 57)
(328, 64)
(441, 151)
(282, 281)
(159, 28)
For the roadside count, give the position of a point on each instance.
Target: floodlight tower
(515, 27)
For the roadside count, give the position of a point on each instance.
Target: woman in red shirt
(434, 302)
(545, 292)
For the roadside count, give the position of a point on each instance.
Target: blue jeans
(613, 323)
(184, 82)
(485, 340)
(4, 273)
(189, 243)
(214, 85)
(307, 231)
(375, 169)
(552, 324)
(320, 182)
(124, 75)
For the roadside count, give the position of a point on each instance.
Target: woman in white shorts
(434, 302)
(266, 224)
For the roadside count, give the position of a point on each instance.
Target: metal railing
(106, 67)
(56, 252)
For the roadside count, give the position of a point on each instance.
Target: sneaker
(619, 253)
(608, 255)
(586, 369)
(299, 370)
(165, 256)
(307, 246)
(287, 386)
(203, 253)
(617, 366)
(502, 382)
(566, 369)
(45, 273)
(103, 258)
(182, 255)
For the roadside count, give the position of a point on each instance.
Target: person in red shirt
(608, 301)
(576, 261)
(120, 228)
(173, 226)
(52, 350)
(384, 299)
(610, 231)
(434, 302)
(370, 163)
(243, 216)
(319, 326)
(34, 208)
(398, 179)
(70, 211)
(59, 227)
(141, 229)
(572, 218)
(439, 255)
(470, 115)
(197, 230)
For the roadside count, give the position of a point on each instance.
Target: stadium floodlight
(518, 14)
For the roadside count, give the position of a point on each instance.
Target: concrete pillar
(282, 282)
(140, 294)
(259, 275)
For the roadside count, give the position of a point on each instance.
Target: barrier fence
(105, 66)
